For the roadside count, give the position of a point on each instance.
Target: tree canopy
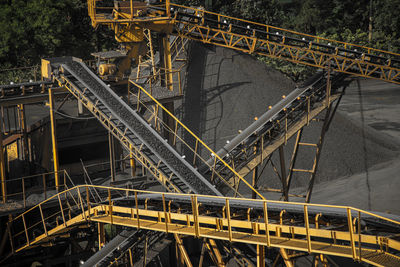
(30, 30)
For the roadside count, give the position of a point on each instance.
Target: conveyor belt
(108, 253)
(256, 38)
(278, 124)
(326, 229)
(329, 212)
(99, 98)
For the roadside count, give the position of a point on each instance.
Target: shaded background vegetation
(30, 30)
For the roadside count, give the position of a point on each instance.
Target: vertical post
(203, 248)
(266, 224)
(131, 9)
(254, 178)
(167, 7)
(165, 213)
(54, 137)
(2, 166)
(351, 232)
(137, 210)
(195, 211)
(307, 228)
(22, 119)
(283, 173)
(112, 155)
(101, 234)
(260, 256)
(228, 216)
(132, 161)
(167, 60)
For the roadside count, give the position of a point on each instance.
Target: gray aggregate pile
(145, 134)
(225, 90)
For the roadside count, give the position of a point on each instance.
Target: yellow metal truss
(257, 38)
(76, 206)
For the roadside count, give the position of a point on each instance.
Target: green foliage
(297, 72)
(30, 30)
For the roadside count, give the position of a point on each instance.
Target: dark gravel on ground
(225, 90)
(155, 144)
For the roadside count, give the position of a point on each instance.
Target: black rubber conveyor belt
(105, 255)
(131, 119)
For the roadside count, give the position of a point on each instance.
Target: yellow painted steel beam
(345, 242)
(54, 137)
(213, 249)
(167, 63)
(183, 251)
(294, 54)
(261, 39)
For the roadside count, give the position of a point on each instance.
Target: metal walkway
(254, 38)
(323, 229)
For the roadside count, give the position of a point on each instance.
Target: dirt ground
(225, 90)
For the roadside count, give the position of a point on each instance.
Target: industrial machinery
(206, 191)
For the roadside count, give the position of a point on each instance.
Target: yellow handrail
(198, 140)
(191, 221)
(286, 30)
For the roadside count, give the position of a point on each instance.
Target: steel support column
(216, 253)
(54, 137)
(254, 178)
(112, 155)
(183, 255)
(101, 234)
(22, 120)
(2, 166)
(260, 256)
(169, 122)
(132, 162)
(167, 62)
(283, 173)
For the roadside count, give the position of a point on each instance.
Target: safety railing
(299, 226)
(32, 189)
(285, 124)
(223, 21)
(153, 80)
(251, 37)
(229, 22)
(195, 150)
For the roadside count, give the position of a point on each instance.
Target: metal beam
(111, 149)
(182, 251)
(54, 137)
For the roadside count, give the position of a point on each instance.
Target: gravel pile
(225, 90)
(145, 134)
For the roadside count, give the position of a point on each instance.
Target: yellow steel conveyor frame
(76, 206)
(273, 42)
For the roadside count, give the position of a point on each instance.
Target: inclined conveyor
(136, 130)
